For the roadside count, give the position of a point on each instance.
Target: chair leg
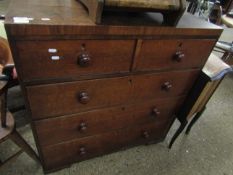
(194, 120)
(179, 130)
(3, 108)
(10, 159)
(17, 139)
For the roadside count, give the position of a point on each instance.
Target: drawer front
(69, 98)
(173, 54)
(59, 155)
(164, 85)
(53, 131)
(69, 59)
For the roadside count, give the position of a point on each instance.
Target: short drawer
(172, 54)
(69, 98)
(60, 129)
(65, 153)
(69, 59)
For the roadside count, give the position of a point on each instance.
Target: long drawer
(62, 154)
(68, 98)
(60, 129)
(172, 54)
(69, 59)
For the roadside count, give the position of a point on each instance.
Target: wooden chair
(7, 123)
(205, 86)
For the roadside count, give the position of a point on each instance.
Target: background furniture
(172, 10)
(227, 49)
(228, 21)
(207, 86)
(7, 122)
(226, 54)
(227, 5)
(212, 74)
(94, 89)
(8, 129)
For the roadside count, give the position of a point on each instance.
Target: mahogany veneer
(66, 98)
(77, 58)
(94, 89)
(103, 120)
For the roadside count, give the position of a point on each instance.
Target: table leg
(194, 120)
(179, 130)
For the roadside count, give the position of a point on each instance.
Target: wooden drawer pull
(166, 86)
(155, 112)
(145, 134)
(179, 56)
(83, 127)
(82, 151)
(84, 98)
(84, 60)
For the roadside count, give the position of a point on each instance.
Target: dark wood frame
(81, 27)
(96, 7)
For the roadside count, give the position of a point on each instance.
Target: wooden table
(95, 89)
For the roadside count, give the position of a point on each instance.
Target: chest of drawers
(94, 89)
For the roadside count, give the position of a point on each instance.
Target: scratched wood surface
(153, 4)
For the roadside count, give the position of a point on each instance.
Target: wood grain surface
(64, 98)
(62, 154)
(104, 120)
(151, 4)
(75, 21)
(163, 54)
(130, 67)
(106, 56)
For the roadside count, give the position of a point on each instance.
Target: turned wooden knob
(155, 112)
(82, 151)
(84, 98)
(179, 56)
(84, 60)
(167, 86)
(83, 127)
(145, 134)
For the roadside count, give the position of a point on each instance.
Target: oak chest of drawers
(92, 90)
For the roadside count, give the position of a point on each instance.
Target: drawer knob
(167, 86)
(83, 127)
(82, 151)
(84, 98)
(179, 56)
(145, 134)
(155, 112)
(84, 60)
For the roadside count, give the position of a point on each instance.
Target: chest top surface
(42, 17)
